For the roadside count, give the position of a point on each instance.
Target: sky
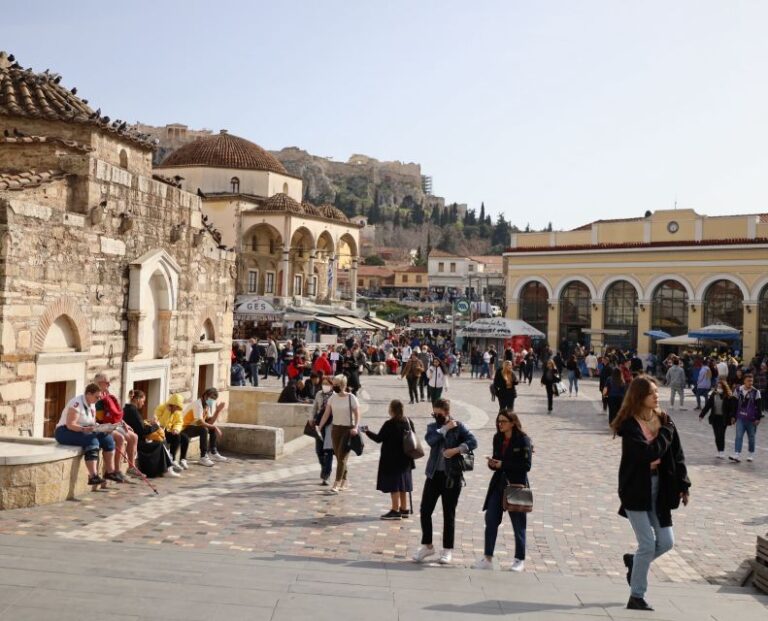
(562, 111)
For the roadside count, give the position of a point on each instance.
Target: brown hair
(442, 404)
(517, 426)
(136, 394)
(396, 407)
(723, 381)
(508, 374)
(92, 389)
(638, 390)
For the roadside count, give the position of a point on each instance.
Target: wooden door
(203, 377)
(143, 386)
(55, 400)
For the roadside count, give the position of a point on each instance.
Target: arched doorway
(762, 322)
(669, 308)
(575, 315)
(724, 303)
(534, 305)
(620, 313)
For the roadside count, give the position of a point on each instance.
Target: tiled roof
(442, 253)
(375, 270)
(224, 150)
(283, 203)
(586, 227)
(10, 138)
(334, 213)
(311, 209)
(15, 180)
(24, 93)
(412, 269)
(658, 244)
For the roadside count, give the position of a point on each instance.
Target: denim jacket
(438, 441)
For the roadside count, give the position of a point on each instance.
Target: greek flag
(330, 276)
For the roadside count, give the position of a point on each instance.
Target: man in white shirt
(722, 368)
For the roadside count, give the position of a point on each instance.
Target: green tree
(429, 242)
(482, 213)
(454, 213)
(500, 235)
(374, 259)
(449, 241)
(374, 214)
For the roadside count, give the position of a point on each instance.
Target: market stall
(501, 333)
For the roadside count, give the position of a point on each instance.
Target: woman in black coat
(511, 462)
(505, 386)
(153, 459)
(394, 476)
(549, 378)
(721, 406)
(653, 479)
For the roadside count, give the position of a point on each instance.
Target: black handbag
(312, 431)
(517, 498)
(463, 462)
(411, 443)
(356, 444)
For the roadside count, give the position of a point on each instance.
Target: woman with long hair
(549, 378)
(653, 479)
(614, 391)
(153, 459)
(505, 385)
(721, 407)
(511, 462)
(394, 475)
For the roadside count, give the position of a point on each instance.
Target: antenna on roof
(675, 203)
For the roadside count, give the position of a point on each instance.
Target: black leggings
(550, 393)
(435, 488)
(413, 391)
(719, 426)
(194, 431)
(174, 440)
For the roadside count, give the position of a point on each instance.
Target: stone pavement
(249, 507)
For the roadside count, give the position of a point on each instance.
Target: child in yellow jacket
(171, 423)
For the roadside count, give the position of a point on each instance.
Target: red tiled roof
(26, 140)
(442, 253)
(586, 227)
(24, 93)
(659, 244)
(224, 150)
(412, 269)
(375, 270)
(15, 180)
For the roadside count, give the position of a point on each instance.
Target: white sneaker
(736, 458)
(518, 565)
(205, 461)
(483, 563)
(445, 557)
(721, 455)
(219, 457)
(751, 457)
(184, 465)
(172, 473)
(422, 553)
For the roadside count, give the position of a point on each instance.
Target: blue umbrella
(718, 331)
(657, 334)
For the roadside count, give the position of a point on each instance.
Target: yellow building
(612, 280)
(411, 277)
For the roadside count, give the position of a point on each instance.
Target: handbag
(411, 443)
(311, 430)
(463, 462)
(355, 443)
(560, 389)
(517, 498)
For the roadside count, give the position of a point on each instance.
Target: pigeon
(200, 193)
(18, 134)
(85, 101)
(122, 127)
(11, 58)
(74, 91)
(6, 133)
(103, 203)
(105, 120)
(57, 79)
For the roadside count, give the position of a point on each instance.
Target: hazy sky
(564, 111)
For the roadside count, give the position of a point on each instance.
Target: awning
(361, 324)
(298, 317)
(381, 323)
(334, 322)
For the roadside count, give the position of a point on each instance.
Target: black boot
(638, 603)
(629, 560)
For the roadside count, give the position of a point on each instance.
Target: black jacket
(392, 459)
(635, 470)
(729, 409)
(515, 463)
(549, 377)
(500, 386)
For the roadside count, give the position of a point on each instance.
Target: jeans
(325, 457)
(485, 370)
(743, 425)
(176, 440)
(700, 392)
(194, 431)
(254, 373)
(413, 391)
(90, 442)
(493, 516)
(435, 488)
(423, 381)
(269, 368)
(679, 390)
(573, 382)
(652, 541)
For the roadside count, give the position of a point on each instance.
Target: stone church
(104, 265)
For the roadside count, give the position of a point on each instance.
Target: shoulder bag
(517, 498)
(411, 443)
(355, 443)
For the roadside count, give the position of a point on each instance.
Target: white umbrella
(499, 328)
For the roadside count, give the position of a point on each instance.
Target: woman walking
(412, 371)
(435, 380)
(448, 439)
(721, 407)
(323, 441)
(653, 480)
(574, 374)
(549, 378)
(394, 475)
(344, 407)
(505, 385)
(614, 391)
(511, 462)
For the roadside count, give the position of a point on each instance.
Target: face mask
(441, 420)
(211, 403)
(327, 388)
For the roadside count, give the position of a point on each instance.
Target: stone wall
(29, 485)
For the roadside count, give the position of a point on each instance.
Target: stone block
(17, 497)
(283, 414)
(256, 440)
(16, 391)
(112, 246)
(24, 339)
(26, 369)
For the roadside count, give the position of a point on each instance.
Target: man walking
(254, 358)
(748, 415)
(271, 357)
(676, 382)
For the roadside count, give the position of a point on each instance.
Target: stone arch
(300, 235)
(274, 241)
(69, 308)
(123, 159)
(757, 291)
(605, 285)
(206, 324)
(569, 279)
(350, 242)
(651, 287)
(522, 282)
(705, 284)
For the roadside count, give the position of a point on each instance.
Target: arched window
(285, 188)
(575, 315)
(723, 303)
(123, 159)
(669, 308)
(620, 313)
(534, 305)
(235, 183)
(762, 322)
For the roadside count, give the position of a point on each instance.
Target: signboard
(255, 308)
(462, 306)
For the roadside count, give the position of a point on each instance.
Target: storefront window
(534, 305)
(762, 325)
(620, 313)
(575, 315)
(723, 303)
(669, 310)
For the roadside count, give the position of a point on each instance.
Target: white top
(406, 352)
(436, 377)
(86, 414)
(591, 361)
(340, 408)
(722, 369)
(486, 357)
(334, 357)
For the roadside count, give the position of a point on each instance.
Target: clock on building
(673, 227)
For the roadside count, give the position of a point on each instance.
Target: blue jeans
(743, 425)
(652, 541)
(325, 457)
(493, 515)
(254, 373)
(700, 392)
(573, 382)
(90, 442)
(485, 370)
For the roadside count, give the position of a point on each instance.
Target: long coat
(515, 463)
(392, 459)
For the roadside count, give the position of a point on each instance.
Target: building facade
(456, 275)
(103, 266)
(673, 270)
